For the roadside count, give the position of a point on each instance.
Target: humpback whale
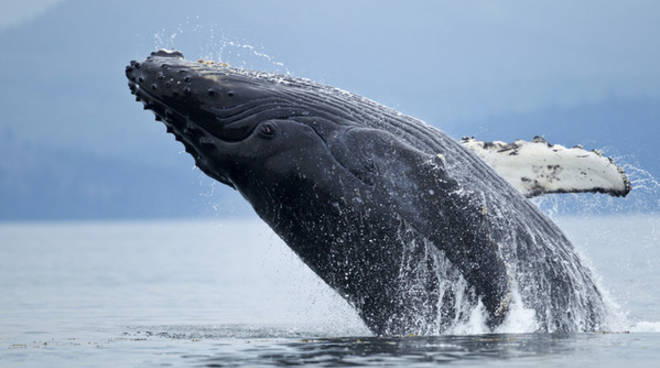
(409, 226)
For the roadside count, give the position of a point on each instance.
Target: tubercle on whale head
(191, 98)
(150, 84)
(201, 91)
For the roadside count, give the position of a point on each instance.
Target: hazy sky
(580, 71)
(449, 63)
(17, 11)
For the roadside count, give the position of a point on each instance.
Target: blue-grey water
(223, 293)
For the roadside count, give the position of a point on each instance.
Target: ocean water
(226, 293)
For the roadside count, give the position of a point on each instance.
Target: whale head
(245, 129)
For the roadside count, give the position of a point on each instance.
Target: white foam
(519, 319)
(475, 325)
(645, 326)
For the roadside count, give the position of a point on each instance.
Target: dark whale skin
(409, 227)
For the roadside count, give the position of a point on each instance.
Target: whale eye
(267, 130)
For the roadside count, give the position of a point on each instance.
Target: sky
(576, 72)
(16, 12)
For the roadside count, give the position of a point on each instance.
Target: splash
(520, 319)
(645, 327)
(474, 325)
(216, 45)
(644, 197)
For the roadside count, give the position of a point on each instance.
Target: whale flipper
(538, 167)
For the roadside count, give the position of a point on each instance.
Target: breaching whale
(409, 226)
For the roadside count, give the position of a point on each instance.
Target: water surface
(223, 293)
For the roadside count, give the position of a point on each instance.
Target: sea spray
(211, 43)
(644, 198)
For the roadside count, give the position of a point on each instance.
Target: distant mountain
(38, 183)
(73, 144)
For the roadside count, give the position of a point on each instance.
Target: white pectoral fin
(537, 167)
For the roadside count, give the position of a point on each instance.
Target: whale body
(407, 225)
